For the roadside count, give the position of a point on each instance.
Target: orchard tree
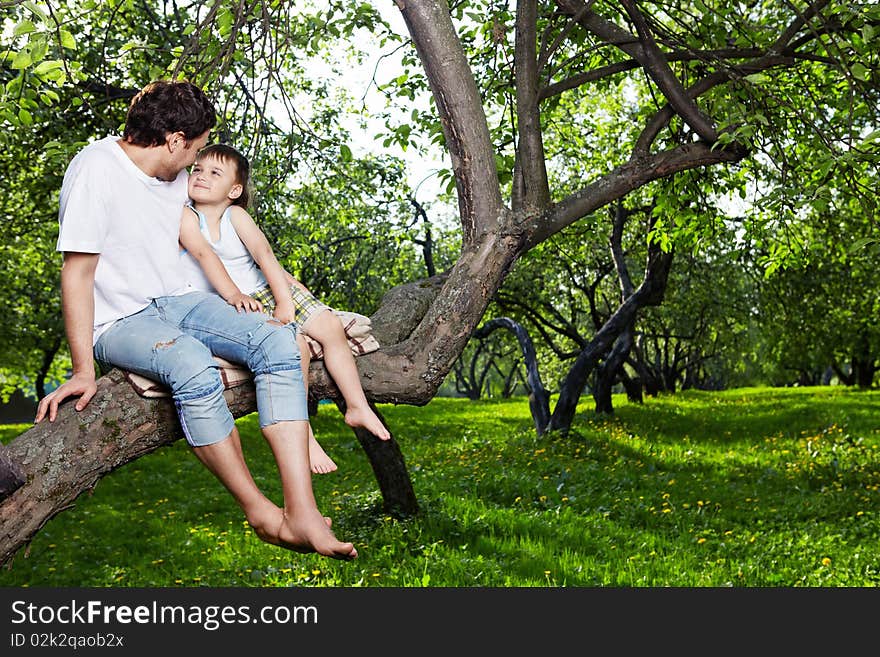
(697, 84)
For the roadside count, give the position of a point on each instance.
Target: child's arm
(293, 282)
(261, 251)
(194, 242)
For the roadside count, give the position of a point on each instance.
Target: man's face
(181, 154)
(191, 149)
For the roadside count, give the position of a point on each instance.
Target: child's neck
(211, 210)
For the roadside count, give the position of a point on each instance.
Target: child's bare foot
(312, 533)
(321, 463)
(366, 419)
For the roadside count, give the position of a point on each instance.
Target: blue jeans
(172, 341)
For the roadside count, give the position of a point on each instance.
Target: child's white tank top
(232, 252)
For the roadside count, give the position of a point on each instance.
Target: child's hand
(245, 302)
(284, 313)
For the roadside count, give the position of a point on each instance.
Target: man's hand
(79, 384)
(244, 302)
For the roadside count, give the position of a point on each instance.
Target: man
(125, 303)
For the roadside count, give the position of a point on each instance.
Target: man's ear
(235, 192)
(175, 141)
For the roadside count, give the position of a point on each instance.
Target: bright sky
(358, 80)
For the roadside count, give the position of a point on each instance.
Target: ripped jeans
(172, 341)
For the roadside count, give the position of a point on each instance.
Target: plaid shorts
(305, 304)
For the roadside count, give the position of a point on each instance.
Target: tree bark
(11, 475)
(386, 459)
(608, 372)
(62, 459)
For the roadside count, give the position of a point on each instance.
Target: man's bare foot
(266, 522)
(321, 463)
(312, 533)
(366, 419)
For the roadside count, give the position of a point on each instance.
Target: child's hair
(162, 107)
(227, 154)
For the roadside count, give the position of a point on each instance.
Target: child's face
(212, 180)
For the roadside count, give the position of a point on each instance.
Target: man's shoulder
(97, 153)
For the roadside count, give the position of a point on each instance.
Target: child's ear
(235, 192)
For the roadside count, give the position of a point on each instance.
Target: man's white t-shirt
(109, 206)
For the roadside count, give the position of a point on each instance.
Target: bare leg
(320, 462)
(303, 528)
(326, 328)
(226, 461)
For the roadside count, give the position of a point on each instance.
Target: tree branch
(531, 191)
(461, 114)
(624, 179)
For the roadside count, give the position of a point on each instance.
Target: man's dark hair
(162, 107)
(228, 155)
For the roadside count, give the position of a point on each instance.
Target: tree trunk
(633, 387)
(386, 459)
(610, 370)
(650, 292)
(40, 381)
(539, 399)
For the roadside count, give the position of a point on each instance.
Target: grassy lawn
(750, 487)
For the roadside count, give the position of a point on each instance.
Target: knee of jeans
(272, 348)
(189, 369)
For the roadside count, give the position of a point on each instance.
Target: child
(218, 192)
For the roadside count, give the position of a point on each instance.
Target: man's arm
(78, 308)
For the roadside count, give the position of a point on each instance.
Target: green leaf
(22, 60)
(67, 40)
(345, 152)
(46, 66)
(756, 78)
(37, 11)
(25, 117)
(861, 72)
(24, 27)
(860, 244)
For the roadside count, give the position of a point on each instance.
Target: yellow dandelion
(701, 540)
(826, 561)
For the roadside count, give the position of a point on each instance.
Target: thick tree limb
(624, 179)
(11, 474)
(461, 114)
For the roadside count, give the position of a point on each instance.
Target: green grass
(750, 487)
